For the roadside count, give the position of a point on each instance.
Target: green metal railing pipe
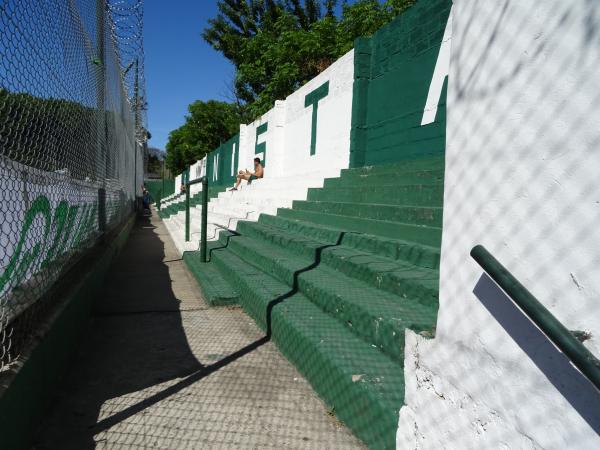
(564, 339)
(203, 224)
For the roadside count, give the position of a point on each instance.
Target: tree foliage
(206, 125)
(277, 46)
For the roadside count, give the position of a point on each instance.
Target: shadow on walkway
(136, 339)
(138, 379)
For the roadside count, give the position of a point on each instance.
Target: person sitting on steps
(246, 175)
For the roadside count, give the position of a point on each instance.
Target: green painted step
(340, 277)
(392, 178)
(417, 254)
(422, 215)
(431, 236)
(195, 200)
(429, 163)
(397, 277)
(216, 290)
(378, 317)
(363, 386)
(413, 194)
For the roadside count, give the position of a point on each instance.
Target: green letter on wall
(262, 147)
(313, 99)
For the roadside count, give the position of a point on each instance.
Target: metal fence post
(204, 218)
(187, 212)
(102, 210)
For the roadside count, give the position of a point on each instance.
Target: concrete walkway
(160, 369)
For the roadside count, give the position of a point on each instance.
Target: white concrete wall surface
(287, 141)
(248, 203)
(522, 171)
(333, 122)
(288, 134)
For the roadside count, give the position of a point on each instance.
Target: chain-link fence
(72, 130)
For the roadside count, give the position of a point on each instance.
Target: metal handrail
(564, 339)
(204, 181)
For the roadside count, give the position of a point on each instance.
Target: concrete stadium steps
(417, 254)
(226, 208)
(412, 194)
(374, 315)
(362, 385)
(396, 177)
(215, 225)
(429, 163)
(178, 204)
(431, 216)
(398, 277)
(340, 276)
(431, 236)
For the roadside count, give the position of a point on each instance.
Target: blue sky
(180, 66)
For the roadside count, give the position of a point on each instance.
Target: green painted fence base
(337, 279)
(27, 391)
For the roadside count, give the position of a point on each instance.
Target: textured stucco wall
(334, 114)
(522, 162)
(287, 138)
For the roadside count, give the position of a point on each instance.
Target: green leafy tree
(206, 126)
(277, 46)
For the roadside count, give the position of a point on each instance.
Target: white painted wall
(333, 122)
(248, 142)
(24, 247)
(289, 128)
(522, 171)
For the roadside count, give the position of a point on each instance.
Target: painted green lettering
(313, 99)
(40, 205)
(58, 223)
(262, 147)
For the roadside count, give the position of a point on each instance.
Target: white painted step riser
(257, 194)
(262, 201)
(218, 215)
(248, 203)
(241, 214)
(289, 182)
(244, 208)
(177, 232)
(215, 221)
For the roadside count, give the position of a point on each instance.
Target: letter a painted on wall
(440, 73)
(313, 99)
(262, 147)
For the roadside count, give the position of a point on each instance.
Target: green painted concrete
(221, 174)
(216, 290)
(262, 147)
(159, 190)
(339, 278)
(393, 71)
(195, 200)
(362, 385)
(312, 99)
(27, 392)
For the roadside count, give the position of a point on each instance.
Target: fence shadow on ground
(137, 342)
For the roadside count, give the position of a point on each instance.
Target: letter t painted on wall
(313, 99)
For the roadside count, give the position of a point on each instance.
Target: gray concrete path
(160, 369)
